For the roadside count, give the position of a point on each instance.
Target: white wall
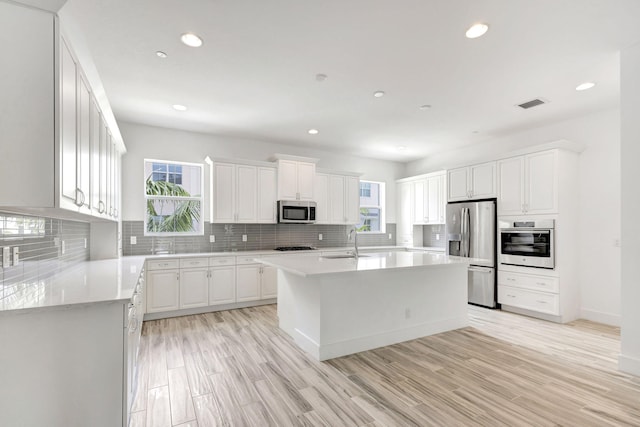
(630, 155)
(599, 199)
(168, 144)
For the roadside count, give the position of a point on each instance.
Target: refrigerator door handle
(481, 269)
(464, 224)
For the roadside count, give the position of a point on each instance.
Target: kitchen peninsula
(335, 306)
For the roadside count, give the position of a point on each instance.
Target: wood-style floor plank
(237, 368)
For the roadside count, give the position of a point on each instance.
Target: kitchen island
(333, 306)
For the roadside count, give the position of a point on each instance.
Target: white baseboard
(601, 317)
(356, 345)
(206, 309)
(629, 364)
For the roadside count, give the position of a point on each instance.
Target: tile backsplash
(40, 243)
(228, 237)
(433, 236)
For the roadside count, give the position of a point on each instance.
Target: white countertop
(318, 265)
(88, 282)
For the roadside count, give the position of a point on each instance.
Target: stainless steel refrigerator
(471, 232)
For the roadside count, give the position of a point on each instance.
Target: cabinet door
(336, 199)
(405, 227)
(163, 290)
(511, 186)
(541, 193)
(247, 282)
(306, 173)
(321, 188)
(68, 124)
(434, 202)
(94, 138)
(266, 195)
(104, 172)
(419, 211)
(287, 180)
(194, 287)
(84, 143)
(269, 282)
(223, 192)
(457, 180)
(352, 199)
(246, 194)
(483, 180)
(222, 285)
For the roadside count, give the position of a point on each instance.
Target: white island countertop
(90, 282)
(307, 266)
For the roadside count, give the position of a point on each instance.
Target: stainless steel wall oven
(528, 243)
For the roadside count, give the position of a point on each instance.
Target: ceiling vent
(532, 103)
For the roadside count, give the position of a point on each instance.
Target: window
(371, 207)
(173, 196)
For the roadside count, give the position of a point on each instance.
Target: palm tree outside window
(371, 207)
(173, 196)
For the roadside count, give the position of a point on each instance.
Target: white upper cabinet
(295, 180)
(337, 199)
(472, 182)
(52, 115)
(428, 201)
(321, 190)
(243, 193)
(267, 177)
(528, 184)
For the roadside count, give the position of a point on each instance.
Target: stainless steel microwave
(296, 212)
(527, 243)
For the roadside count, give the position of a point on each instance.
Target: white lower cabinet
(269, 282)
(248, 282)
(222, 285)
(194, 287)
(163, 290)
(529, 292)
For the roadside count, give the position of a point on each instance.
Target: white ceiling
(255, 75)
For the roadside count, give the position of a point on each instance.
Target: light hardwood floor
(237, 368)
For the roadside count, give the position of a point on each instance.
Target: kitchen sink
(343, 256)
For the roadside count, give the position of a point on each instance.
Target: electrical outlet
(6, 256)
(244, 237)
(63, 248)
(85, 243)
(212, 238)
(437, 236)
(16, 255)
(319, 236)
(133, 240)
(616, 243)
(407, 313)
(390, 235)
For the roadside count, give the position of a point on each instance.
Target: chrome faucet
(353, 231)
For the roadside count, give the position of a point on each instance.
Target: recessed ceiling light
(401, 148)
(321, 77)
(313, 131)
(476, 30)
(378, 94)
(161, 54)
(424, 107)
(191, 40)
(179, 107)
(585, 86)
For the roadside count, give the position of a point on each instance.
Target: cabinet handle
(541, 283)
(101, 207)
(541, 302)
(79, 201)
(511, 279)
(511, 296)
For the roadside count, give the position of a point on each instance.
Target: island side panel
(370, 309)
(299, 310)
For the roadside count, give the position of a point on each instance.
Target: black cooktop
(295, 248)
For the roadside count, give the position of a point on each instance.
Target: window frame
(200, 198)
(381, 205)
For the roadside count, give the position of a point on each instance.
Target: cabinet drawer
(163, 264)
(529, 300)
(247, 259)
(222, 260)
(527, 281)
(194, 262)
